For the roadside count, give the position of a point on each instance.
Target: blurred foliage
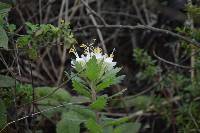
(47, 34)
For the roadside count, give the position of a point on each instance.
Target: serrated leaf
(113, 72)
(99, 104)
(3, 117)
(93, 126)
(70, 123)
(108, 82)
(80, 88)
(128, 128)
(3, 38)
(6, 81)
(92, 69)
(104, 84)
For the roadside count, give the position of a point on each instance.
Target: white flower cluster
(91, 51)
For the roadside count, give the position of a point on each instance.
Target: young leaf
(108, 82)
(99, 104)
(93, 68)
(23, 41)
(113, 72)
(80, 88)
(93, 126)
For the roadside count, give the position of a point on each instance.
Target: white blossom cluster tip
(89, 52)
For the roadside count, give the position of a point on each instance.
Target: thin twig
(142, 27)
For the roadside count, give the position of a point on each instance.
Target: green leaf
(108, 82)
(85, 113)
(78, 66)
(80, 88)
(6, 81)
(93, 126)
(111, 73)
(92, 69)
(3, 38)
(12, 27)
(60, 95)
(23, 41)
(128, 128)
(3, 117)
(117, 122)
(70, 123)
(32, 53)
(31, 27)
(100, 103)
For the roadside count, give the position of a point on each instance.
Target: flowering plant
(94, 72)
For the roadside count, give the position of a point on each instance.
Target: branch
(143, 27)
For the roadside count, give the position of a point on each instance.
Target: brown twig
(142, 27)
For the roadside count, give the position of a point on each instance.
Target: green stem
(94, 95)
(94, 98)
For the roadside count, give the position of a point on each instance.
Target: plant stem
(94, 98)
(192, 59)
(94, 95)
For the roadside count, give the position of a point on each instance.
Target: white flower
(109, 62)
(89, 53)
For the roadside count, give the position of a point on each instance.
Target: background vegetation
(156, 44)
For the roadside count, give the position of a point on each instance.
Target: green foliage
(6, 81)
(150, 69)
(139, 102)
(3, 117)
(116, 122)
(128, 128)
(85, 113)
(93, 126)
(60, 95)
(100, 103)
(80, 88)
(3, 38)
(94, 72)
(4, 9)
(93, 68)
(70, 123)
(71, 120)
(45, 35)
(89, 79)
(109, 78)
(193, 10)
